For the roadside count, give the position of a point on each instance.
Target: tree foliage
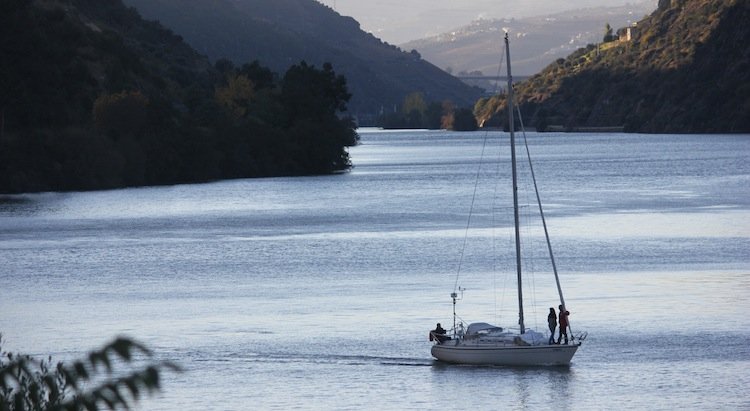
(125, 112)
(608, 34)
(415, 112)
(314, 93)
(235, 96)
(314, 99)
(464, 120)
(102, 380)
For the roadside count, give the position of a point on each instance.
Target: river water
(318, 292)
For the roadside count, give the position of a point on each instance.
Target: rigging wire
(471, 213)
(528, 242)
(474, 194)
(530, 259)
(541, 215)
(530, 249)
(496, 245)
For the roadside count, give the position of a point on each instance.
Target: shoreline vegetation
(107, 100)
(416, 113)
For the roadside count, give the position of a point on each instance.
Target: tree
(413, 110)
(30, 384)
(464, 120)
(446, 120)
(261, 77)
(124, 112)
(414, 102)
(12, 16)
(224, 66)
(317, 130)
(313, 93)
(236, 95)
(608, 36)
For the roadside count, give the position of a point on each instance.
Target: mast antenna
(455, 298)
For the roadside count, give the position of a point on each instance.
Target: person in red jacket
(563, 320)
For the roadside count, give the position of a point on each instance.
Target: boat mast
(515, 185)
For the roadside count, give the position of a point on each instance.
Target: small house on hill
(626, 33)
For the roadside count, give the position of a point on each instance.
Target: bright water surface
(317, 293)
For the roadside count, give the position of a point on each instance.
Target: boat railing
(439, 338)
(580, 337)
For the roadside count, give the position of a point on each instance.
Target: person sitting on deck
(438, 334)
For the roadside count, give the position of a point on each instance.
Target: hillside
(92, 97)
(59, 56)
(685, 70)
(280, 32)
(537, 41)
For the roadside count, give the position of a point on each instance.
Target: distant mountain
(401, 21)
(279, 33)
(537, 41)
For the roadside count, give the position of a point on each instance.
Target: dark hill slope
(57, 57)
(279, 33)
(686, 70)
(94, 97)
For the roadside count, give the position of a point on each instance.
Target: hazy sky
(398, 21)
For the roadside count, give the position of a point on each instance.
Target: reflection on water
(528, 387)
(700, 223)
(19, 205)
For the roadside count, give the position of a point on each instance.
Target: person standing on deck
(552, 322)
(563, 324)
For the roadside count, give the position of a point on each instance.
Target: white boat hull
(489, 354)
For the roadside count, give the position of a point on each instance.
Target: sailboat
(485, 344)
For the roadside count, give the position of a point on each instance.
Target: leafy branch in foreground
(30, 384)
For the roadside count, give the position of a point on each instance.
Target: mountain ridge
(537, 40)
(280, 32)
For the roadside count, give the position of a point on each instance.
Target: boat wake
(339, 359)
